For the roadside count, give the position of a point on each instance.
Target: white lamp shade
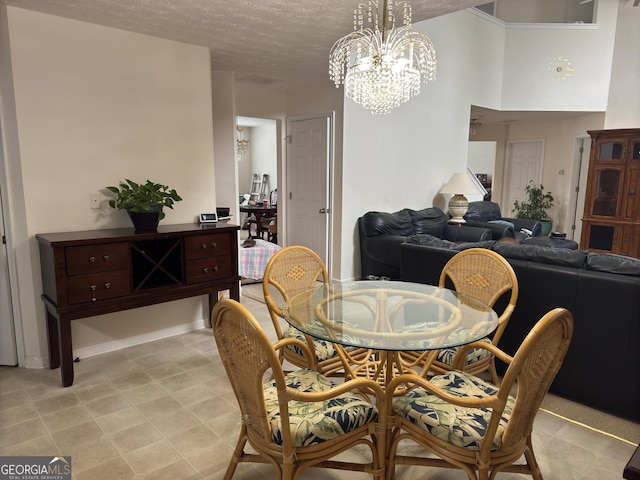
(460, 183)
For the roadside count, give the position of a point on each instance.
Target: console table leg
(52, 334)
(66, 352)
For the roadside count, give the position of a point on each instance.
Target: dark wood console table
(103, 271)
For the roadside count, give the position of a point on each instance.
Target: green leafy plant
(135, 197)
(537, 204)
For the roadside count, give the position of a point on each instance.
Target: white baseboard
(85, 352)
(146, 337)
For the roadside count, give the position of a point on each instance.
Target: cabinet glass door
(611, 151)
(607, 190)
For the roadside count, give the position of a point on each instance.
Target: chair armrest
(498, 230)
(519, 223)
(461, 355)
(464, 233)
(361, 385)
(413, 380)
(309, 355)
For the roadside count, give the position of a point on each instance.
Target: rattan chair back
(486, 276)
(291, 270)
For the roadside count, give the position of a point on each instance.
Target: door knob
(323, 210)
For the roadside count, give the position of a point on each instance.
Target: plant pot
(146, 220)
(546, 227)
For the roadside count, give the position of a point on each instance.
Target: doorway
(257, 160)
(308, 192)
(523, 161)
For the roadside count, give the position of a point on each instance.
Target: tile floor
(164, 410)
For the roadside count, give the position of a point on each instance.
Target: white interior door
(524, 161)
(8, 354)
(308, 187)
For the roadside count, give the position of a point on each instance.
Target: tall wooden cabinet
(611, 221)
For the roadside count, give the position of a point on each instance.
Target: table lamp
(459, 184)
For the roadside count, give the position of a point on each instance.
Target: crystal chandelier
(242, 144)
(383, 64)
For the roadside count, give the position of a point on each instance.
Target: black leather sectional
(382, 233)
(602, 366)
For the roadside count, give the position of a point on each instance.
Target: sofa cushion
(608, 262)
(483, 212)
(536, 253)
(377, 223)
(430, 221)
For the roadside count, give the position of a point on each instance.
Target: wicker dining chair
(322, 420)
(486, 276)
(290, 271)
(471, 424)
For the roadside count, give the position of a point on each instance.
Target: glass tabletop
(390, 315)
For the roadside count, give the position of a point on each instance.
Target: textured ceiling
(277, 42)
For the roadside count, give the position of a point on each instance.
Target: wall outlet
(94, 200)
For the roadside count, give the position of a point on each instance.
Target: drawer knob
(214, 244)
(215, 269)
(205, 270)
(203, 246)
(92, 287)
(107, 285)
(106, 258)
(92, 259)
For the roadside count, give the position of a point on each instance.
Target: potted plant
(143, 202)
(536, 206)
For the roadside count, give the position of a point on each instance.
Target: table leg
(66, 352)
(54, 344)
(258, 216)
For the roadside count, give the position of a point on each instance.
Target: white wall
(623, 109)
(94, 105)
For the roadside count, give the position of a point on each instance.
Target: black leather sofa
(602, 291)
(382, 233)
(487, 215)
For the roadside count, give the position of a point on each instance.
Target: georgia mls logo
(35, 468)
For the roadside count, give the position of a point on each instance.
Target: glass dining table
(402, 324)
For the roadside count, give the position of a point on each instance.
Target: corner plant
(135, 197)
(535, 208)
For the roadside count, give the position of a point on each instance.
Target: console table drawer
(205, 269)
(202, 246)
(97, 258)
(98, 286)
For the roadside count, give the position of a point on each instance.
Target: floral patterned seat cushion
(463, 427)
(324, 350)
(316, 422)
(446, 355)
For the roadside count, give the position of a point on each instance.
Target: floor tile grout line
(589, 427)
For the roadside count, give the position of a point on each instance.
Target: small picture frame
(208, 217)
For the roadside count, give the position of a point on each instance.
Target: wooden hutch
(611, 221)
